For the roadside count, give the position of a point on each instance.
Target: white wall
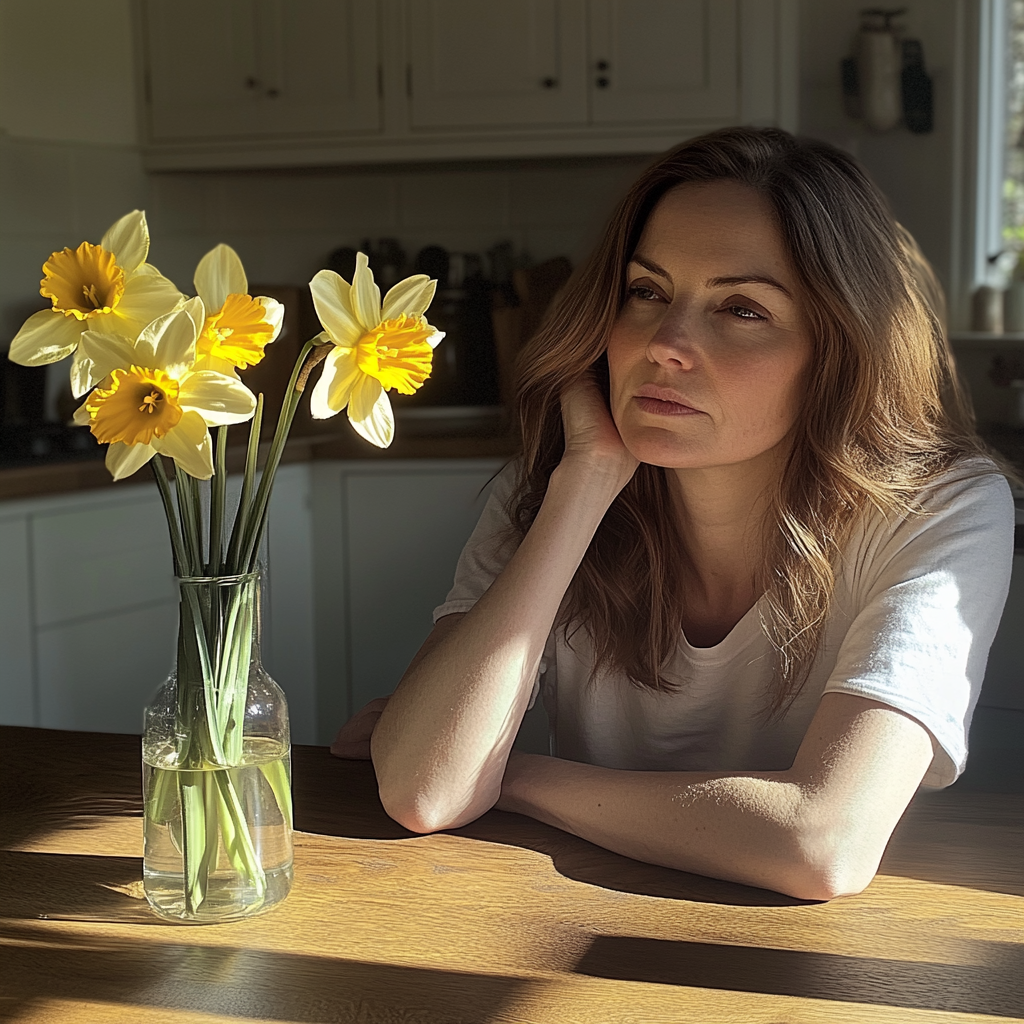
(920, 174)
(69, 163)
(67, 71)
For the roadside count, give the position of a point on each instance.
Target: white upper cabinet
(305, 82)
(489, 65)
(662, 60)
(260, 69)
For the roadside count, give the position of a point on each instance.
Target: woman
(753, 555)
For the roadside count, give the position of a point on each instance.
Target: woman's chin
(658, 446)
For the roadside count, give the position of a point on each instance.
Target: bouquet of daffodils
(157, 370)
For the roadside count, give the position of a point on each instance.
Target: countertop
(341, 442)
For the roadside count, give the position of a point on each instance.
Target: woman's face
(708, 355)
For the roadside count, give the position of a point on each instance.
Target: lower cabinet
(387, 537)
(358, 555)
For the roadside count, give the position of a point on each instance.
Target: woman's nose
(675, 343)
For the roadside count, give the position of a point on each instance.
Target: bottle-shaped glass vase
(216, 757)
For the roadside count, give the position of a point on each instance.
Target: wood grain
(504, 920)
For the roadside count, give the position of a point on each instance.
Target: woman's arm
(441, 744)
(815, 831)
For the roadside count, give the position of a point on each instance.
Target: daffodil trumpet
(160, 377)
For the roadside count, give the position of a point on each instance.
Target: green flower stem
(164, 487)
(251, 455)
(255, 525)
(218, 486)
(189, 526)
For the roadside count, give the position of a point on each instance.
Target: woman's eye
(642, 291)
(744, 313)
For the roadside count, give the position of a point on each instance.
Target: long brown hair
(884, 412)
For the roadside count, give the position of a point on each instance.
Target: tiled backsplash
(285, 223)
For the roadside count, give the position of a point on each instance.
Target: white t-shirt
(915, 608)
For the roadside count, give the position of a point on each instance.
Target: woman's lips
(661, 407)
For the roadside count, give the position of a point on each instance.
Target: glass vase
(216, 756)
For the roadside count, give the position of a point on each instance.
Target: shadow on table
(339, 798)
(993, 983)
(70, 786)
(228, 981)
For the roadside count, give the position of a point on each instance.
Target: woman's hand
(353, 739)
(590, 432)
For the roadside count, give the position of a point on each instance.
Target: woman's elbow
(425, 813)
(823, 868)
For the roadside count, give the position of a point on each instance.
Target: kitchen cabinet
(17, 670)
(314, 82)
(255, 70)
(358, 554)
(89, 609)
(387, 536)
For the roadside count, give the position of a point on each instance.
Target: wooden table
(505, 920)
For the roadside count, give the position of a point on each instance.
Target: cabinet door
(319, 66)
(404, 531)
(260, 69)
(105, 609)
(202, 71)
(17, 683)
(663, 60)
(494, 65)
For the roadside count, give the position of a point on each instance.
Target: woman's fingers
(590, 430)
(353, 739)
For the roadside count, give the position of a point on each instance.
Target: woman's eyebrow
(716, 282)
(651, 266)
(726, 282)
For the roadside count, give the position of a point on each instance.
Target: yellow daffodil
(107, 288)
(152, 399)
(238, 327)
(376, 347)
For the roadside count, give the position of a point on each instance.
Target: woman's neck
(720, 512)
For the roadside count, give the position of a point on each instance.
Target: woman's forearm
(814, 831)
(742, 828)
(441, 744)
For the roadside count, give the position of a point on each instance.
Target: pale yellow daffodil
(376, 347)
(107, 288)
(151, 399)
(238, 327)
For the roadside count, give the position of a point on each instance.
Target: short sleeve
(487, 551)
(928, 597)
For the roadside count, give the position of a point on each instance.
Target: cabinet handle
(602, 83)
(273, 93)
(252, 83)
(602, 65)
(549, 83)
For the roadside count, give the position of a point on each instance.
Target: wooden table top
(505, 920)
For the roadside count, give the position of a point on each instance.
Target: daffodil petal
(219, 399)
(189, 444)
(435, 339)
(332, 391)
(365, 295)
(46, 337)
(274, 312)
(147, 295)
(82, 417)
(217, 364)
(128, 240)
(332, 297)
(411, 296)
(168, 343)
(97, 354)
(124, 459)
(369, 412)
(219, 274)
